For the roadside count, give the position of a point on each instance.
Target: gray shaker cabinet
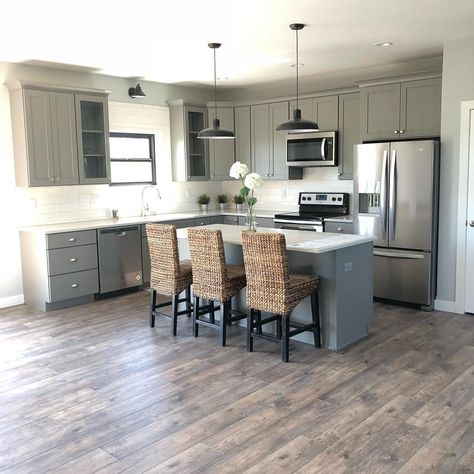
(349, 131)
(50, 154)
(410, 109)
(242, 133)
(268, 147)
(322, 110)
(221, 152)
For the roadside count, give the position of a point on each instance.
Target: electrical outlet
(187, 194)
(32, 203)
(348, 267)
(283, 193)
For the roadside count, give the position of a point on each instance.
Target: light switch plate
(348, 267)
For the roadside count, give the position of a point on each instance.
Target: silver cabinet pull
(73, 259)
(74, 285)
(339, 229)
(395, 131)
(72, 239)
(471, 223)
(51, 179)
(402, 131)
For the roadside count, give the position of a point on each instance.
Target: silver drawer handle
(74, 285)
(73, 259)
(339, 229)
(72, 239)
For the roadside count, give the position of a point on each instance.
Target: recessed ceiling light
(299, 65)
(383, 44)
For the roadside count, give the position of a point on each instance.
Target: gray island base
(344, 264)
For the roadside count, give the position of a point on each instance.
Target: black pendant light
(215, 132)
(298, 124)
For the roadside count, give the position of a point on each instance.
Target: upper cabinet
(92, 137)
(190, 158)
(322, 110)
(268, 147)
(242, 133)
(47, 138)
(410, 109)
(349, 131)
(221, 152)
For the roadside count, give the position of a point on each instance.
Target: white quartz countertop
(296, 240)
(101, 223)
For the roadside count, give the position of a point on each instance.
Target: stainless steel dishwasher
(120, 262)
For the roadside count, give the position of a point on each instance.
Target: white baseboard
(443, 305)
(11, 301)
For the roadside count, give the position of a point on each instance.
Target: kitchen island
(344, 264)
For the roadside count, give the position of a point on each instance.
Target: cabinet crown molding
(24, 84)
(404, 78)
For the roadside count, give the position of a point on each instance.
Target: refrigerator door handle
(412, 256)
(392, 200)
(383, 195)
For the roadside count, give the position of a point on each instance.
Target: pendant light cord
(297, 66)
(215, 86)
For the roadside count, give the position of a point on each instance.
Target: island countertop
(296, 240)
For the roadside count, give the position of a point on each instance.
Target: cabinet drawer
(71, 285)
(70, 239)
(339, 227)
(231, 220)
(217, 219)
(72, 259)
(265, 222)
(202, 221)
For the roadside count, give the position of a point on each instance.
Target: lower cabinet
(339, 227)
(265, 222)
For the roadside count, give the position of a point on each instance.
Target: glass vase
(250, 220)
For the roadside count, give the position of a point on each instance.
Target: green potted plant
(238, 201)
(222, 200)
(203, 200)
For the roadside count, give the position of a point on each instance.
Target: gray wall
(458, 86)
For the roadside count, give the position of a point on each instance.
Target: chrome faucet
(145, 203)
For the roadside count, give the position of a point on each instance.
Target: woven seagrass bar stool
(273, 289)
(169, 276)
(213, 280)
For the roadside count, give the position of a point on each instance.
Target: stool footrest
(301, 328)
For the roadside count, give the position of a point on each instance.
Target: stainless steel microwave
(311, 149)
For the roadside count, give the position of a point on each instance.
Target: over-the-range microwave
(311, 149)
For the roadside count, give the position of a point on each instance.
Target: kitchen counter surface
(296, 240)
(101, 223)
(339, 219)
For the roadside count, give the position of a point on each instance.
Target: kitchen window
(132, 158)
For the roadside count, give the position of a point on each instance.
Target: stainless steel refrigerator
(396, 201)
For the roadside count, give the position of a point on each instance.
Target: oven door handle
(324, 148)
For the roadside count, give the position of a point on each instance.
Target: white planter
(222, 206)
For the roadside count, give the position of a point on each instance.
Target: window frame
(151, 143)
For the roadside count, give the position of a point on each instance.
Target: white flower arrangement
(250, 182)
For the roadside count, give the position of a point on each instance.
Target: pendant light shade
(215, 132)
(297, 124)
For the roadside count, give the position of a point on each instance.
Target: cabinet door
(197, 158)
(420, 108)
(279, 112)
(380, 111)
(349, 131)
(39, 138)
(242, 132)
(221, 152)
(322, 110)
(92, 139)
(260, 139)
(63, 124)
(306, 106)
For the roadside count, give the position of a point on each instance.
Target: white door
(469, 288)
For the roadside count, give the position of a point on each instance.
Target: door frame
(465, 129)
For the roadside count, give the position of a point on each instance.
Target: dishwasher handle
(120, 232)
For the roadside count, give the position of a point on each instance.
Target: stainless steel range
(313, 209)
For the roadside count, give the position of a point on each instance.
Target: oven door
(298, 225)
(311, 149)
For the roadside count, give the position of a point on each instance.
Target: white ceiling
(166, 41)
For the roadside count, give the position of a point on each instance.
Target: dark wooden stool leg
(285, 341)
(196, 316)
(152, 307)
(212, 312)
(249, 330)
(278, 329)
(225, 315)
(315, 316)
(258, 320)
(188, 300)
(174, 316)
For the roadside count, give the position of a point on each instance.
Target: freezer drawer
(403, 276)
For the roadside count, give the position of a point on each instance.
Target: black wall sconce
(136, 92)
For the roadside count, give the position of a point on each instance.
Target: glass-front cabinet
(92, 139)
(196, 147)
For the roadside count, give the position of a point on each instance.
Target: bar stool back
(213, 279)
(169, 276)
(272, 288)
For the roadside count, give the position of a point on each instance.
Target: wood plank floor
(94, 389)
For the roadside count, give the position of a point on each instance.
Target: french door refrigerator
(396, 202)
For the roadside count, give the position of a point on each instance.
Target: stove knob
(339, 199)
(303, 198)
(309, 198)
(333, 199)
